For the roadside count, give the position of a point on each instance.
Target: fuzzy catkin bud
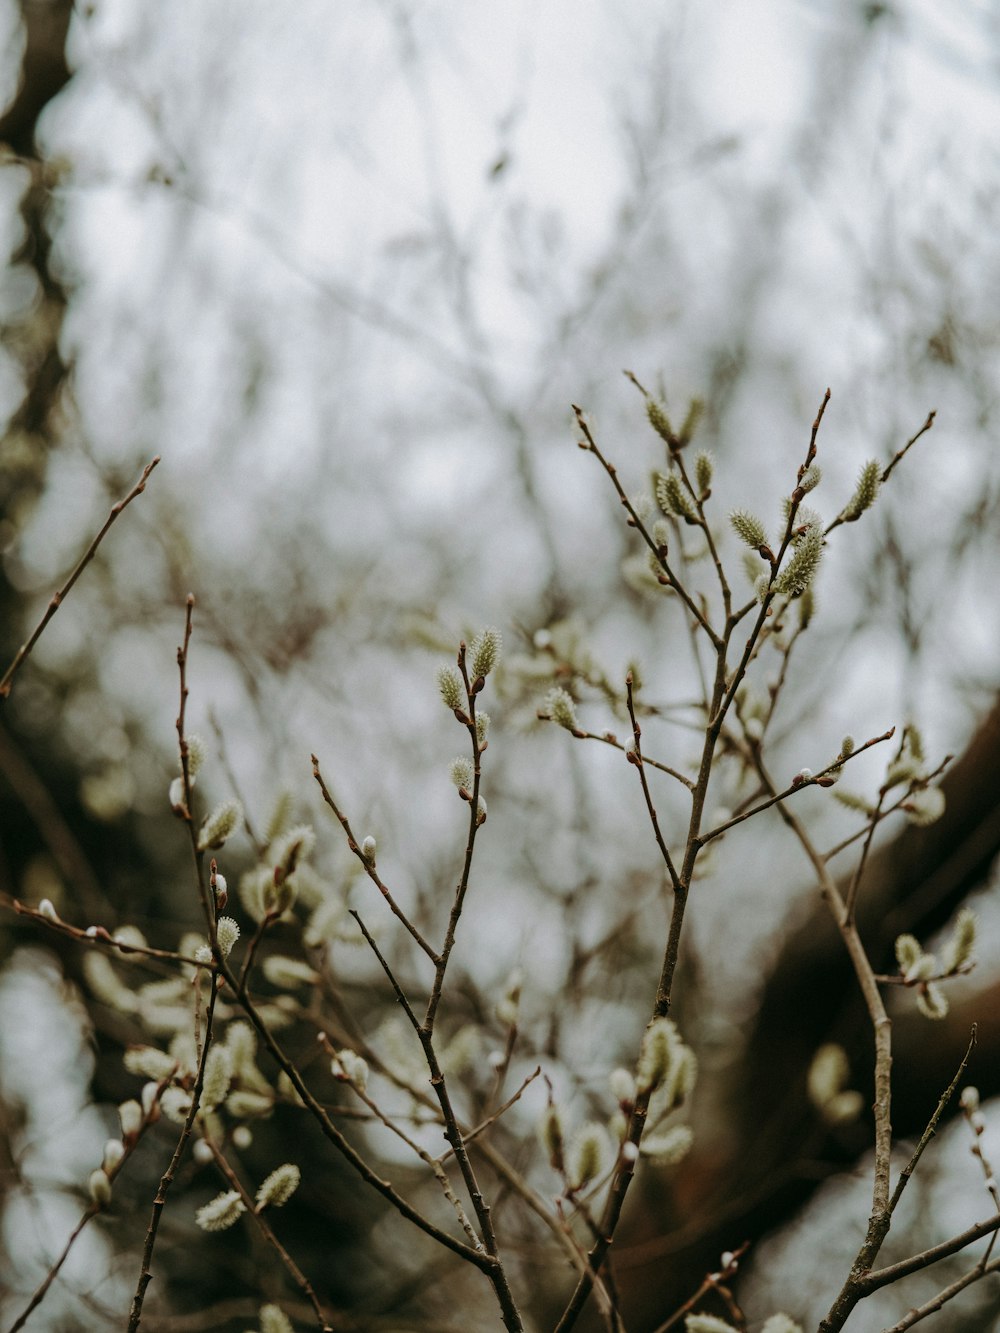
(176, 796)
(553, 1136)
(672, 498)
(222, 1212)
(352, 1068)
(969, 1099)
(149, 1062)
(368, 848)
(781, 1323)
(810, 479)
(561, 709)
(589, 1155)
(486, 652)
(748, 528)
(706, 1323)
(668, 1148)
(704, 470)
(932, 1001)
(958, 951)
(225, 820)
(461, 773)
(656, 1055)
(218, 1073)
(925, 806)
(274, 1320)
(46, 909)
(622, 1087)
(846, 747)
(288, 973)
(279, 1187)
(865, 492)
(482, 729)
(908, 950)
(290, 848)
(450, 686)
(801, 569)
(114, 1152)
(196, 754)
(130, 1116)
(660, 422)
(227, 933)
(99, 1188)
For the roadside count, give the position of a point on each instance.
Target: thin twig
(57, 597)
(369, 866)
(296, 1274)
(932, 1124)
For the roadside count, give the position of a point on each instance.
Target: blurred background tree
(345, 271)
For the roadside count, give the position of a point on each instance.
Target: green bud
(279, 818)
(221, 1213)
(690, 424)
(589, 1155)
(800, 570)
(781, 1323)
(660, 422)
(149, 1062)
(288, 973)
(660, 1044)
(274, 1320)
(218, 1074)
(958, 950)
(351, 1068)
(486, 652)
(99, 1188)
(706, 1323)
(672, 498)
(925, 806)
(810, 479)
(932, 1001)
(704, 468)
(908, 951)
(865, 492)
(669, 1147)
(450, 685)
(482, 728)
(553, 1136)
(561, 709)
(748, 528)
(279, 1187)
(196, 754)
(225, 820)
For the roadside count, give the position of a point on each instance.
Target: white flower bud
(114, 1151)
(368, 849)
(225, 820)
(130, 1116)
(99, 1187)
(622, 1086)
(969, 1100)
(221, 1213)
(227, 933)
(279, 1187)
(46, 909)
(202, 1153)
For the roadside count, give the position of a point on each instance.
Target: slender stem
(167, 1179)
(57, 598)
(369, 866)
(296, 1274)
